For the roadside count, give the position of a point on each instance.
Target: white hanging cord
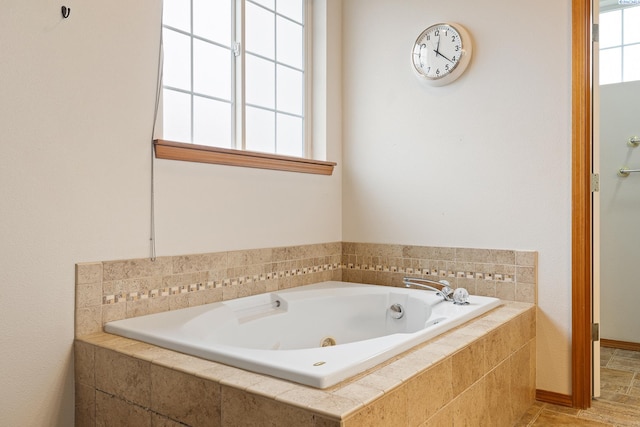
(152, 216)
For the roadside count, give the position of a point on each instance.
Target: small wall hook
(65, 11)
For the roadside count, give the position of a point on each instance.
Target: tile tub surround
(481, 373)
(506, 274)
(114, 290)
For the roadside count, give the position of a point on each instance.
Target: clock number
(446, 67)
(437, 33)
(437, 71)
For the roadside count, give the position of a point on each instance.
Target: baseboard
(554, 398)
(623, 345)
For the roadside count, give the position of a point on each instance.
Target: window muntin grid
(619, 40)
(205, 80)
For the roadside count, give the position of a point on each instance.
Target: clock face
(441, 53)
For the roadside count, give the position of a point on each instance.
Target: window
(619, 44)
(235, 75)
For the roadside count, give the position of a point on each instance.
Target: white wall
(619, 212)
(76, 102)
(484, 162)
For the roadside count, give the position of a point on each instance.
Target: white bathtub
(282, 333)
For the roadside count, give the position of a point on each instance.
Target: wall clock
(441, 53)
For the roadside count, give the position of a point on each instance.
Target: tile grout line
(535, 417)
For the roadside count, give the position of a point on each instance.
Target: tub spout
(444, 290)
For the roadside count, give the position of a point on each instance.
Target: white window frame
(239, 156)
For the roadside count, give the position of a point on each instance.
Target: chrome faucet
(445, 290)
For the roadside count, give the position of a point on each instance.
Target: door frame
(581, 214)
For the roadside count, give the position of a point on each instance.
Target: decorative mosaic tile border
(215, 284)
(238, 281)
(432, 272)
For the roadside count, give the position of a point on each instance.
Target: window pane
(289, 90)
(289, 36)
(211, 122)
(291, 9)
(266, 3)
(212, 20)
(631, 25)
(610, 29)
(211, 70)
(260, 82)
(290, 138)
(260, 132)
(631, 67)
(610, 66)
(176, 116)
(260, 31)
(176, 13)
(176, 70)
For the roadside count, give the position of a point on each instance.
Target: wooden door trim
(581, 203)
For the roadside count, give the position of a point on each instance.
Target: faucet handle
(461, 296)
(446, 290)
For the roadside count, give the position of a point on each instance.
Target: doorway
(616, 91)
(582, 220)
(618, 132)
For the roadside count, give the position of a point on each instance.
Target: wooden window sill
(223, 156)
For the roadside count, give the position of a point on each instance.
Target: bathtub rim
(277, 364)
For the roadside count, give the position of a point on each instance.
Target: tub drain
(327, 342)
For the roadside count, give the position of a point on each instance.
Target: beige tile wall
(490, 381)
(113, 290)
(506, 274)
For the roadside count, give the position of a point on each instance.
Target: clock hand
(438, 53)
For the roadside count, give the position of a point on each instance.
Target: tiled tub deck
(482, 373)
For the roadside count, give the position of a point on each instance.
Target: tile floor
(618, 404)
